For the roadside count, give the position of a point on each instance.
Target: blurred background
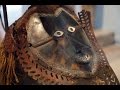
(105, 21)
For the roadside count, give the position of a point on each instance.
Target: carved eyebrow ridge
(43, 42)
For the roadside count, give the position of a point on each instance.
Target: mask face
(69, 51)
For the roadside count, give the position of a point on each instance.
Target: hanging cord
(5, 18)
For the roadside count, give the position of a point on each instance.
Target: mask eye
(58, 33)
(71, 29)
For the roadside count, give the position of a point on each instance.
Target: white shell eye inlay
(58, 33)
(71, 29)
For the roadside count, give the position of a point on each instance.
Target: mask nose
(82, 56)
(79, 51)
(82, 51)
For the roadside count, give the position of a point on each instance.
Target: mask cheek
(47, 49)
(62, 42)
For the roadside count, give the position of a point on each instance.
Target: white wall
(107, 17)
(15, 12)
(98, 16)
(76, 8)
(111, 19)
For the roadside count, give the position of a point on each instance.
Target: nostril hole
(86, 56)
(78, 51)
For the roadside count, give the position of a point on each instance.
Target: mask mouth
(83, 59)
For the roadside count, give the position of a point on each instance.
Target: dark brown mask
(69, 51)
(54, 46)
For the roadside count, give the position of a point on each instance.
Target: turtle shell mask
(60, 48)
(61, 44)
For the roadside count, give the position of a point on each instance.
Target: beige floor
(113, 56)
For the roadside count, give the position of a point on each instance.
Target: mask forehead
(60, 20)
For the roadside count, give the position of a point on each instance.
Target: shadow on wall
(109, 15)
(98, 16)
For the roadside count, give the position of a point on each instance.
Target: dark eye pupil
(58, 33)
(71, 29)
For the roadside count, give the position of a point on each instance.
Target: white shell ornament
(58, 33)
(71, 29)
